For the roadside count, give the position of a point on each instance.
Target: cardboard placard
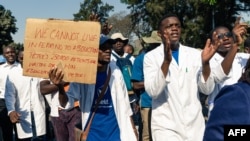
(72, 44)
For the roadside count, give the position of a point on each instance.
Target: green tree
(7, 27)
(140, 17)
(93, 6)
(198, 18)
(122, 23)
(211, 2)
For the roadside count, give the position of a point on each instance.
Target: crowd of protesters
(167, 80)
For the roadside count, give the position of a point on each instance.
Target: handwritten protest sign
(72, 44)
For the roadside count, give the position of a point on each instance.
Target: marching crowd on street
(169, 91)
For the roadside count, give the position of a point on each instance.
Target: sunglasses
(227, 34)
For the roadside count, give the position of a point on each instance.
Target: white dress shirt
(4, 71)
(23, 96)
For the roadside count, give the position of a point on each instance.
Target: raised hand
(167, 53)
(56, 76)
(210, 49)
(106, 28)
(239, 30)
(167, 47)
(94, 17)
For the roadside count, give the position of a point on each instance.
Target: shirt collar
(5, 65)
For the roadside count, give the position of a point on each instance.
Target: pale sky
(59, 9)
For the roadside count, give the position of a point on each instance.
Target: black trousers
(5, 123)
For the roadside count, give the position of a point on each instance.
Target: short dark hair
(167, 16)
(9, 46)
(247, 43)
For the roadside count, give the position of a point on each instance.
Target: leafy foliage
(7, 26)
(198, 18)
(93, 6)
(211, 2)
(121, 23)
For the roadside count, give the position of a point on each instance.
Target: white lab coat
(176, 109)
(235, 73)
(22, 95)
(85, 94)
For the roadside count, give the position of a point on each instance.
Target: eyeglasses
(227, 34)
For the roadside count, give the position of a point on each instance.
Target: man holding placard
(106, 112)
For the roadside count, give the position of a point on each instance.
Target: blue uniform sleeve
(231, 108)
